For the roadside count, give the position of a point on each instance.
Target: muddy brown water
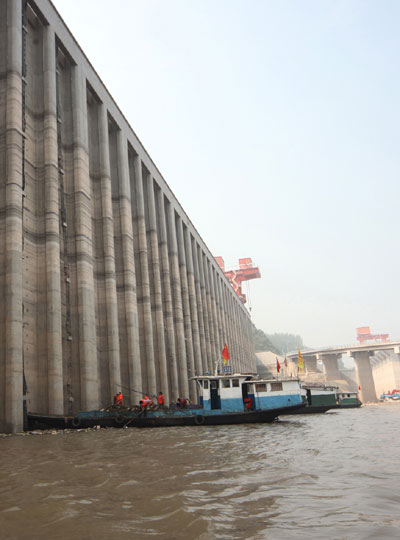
(334, 476)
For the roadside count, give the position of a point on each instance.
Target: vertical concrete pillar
(234, 350)
(293, 367)
(186, 309)
(168, 305)
(52, 220)
(310, 364)
(225, 336)
(240, 337)
(364, 376)
(209, 313)
(242, 342)
(218, 348)
(157, 292)
(221, 313)
(177, 301)
(145, 280)
(247, 353)
(252, 354)
(84, 249)
(217, 314)
(202, 308)
(238, 366)
(331, 368)
(224, 309)
(228, 319)
(131, 314)
(110, 282)
(234, 353)
(396, 366)
(193, 304)
(13, 372)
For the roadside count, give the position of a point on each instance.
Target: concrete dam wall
(104, 282)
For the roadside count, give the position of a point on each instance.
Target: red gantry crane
(245, 272)
(364, 334)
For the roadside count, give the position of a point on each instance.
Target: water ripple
(330, 476)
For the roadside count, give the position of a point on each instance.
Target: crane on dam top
(364, 335)
(245, 272)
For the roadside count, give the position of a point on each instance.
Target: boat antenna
(217, 367)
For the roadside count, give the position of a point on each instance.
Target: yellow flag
(301, 363)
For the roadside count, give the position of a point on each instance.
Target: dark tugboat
(224, 399)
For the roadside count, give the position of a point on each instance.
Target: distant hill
(261, 341)
(276, 343)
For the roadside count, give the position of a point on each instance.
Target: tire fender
(76, 422)
(199, 419)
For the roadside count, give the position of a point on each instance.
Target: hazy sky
(276, 124)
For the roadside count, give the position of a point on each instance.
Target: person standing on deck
(161, 400)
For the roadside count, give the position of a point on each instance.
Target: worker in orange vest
(161, 400)
(182, 403)
(118, 399)
(145, 401)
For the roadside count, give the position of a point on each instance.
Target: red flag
(359, 387)
(278, 366)
(225, 353)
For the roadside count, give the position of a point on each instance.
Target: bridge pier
(310, 364)
(331, 368)
(364, 376)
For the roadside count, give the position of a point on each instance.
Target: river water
(334, 476)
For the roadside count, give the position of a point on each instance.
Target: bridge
(361, 354)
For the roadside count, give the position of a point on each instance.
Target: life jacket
(161, 399)
(118, 399)
(248, 402)
(146, 401)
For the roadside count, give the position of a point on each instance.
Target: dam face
(105, 284)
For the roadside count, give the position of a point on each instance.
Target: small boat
(317, 398)
(348, 400)
(224, 399)
(391, 396)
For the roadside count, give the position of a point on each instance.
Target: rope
(136, 391)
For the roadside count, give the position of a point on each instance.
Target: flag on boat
(278, 366)
(225, 354)
(300, 359)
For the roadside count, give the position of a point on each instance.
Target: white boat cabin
(238, 392)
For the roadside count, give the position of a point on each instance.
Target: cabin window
(205, 384)
(276, 386)
(226, 383)
(250, 388)
(214, 385)
(235, 383)
(261, 387)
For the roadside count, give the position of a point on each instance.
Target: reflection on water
(330, 476)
